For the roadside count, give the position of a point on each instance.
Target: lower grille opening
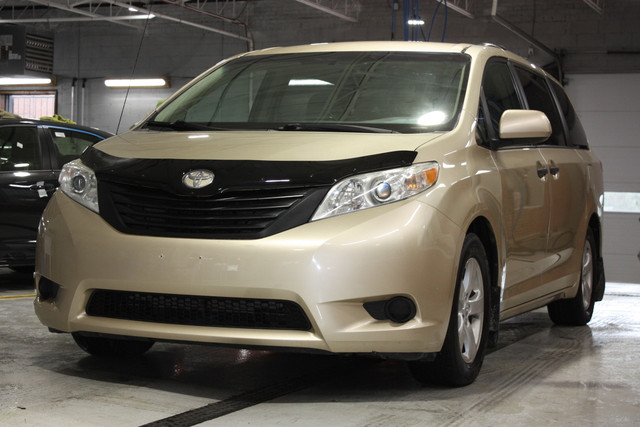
(198, 310)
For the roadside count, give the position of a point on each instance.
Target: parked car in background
(32, 153)
(383, 198)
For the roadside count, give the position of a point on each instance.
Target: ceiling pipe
(327, 10)
(216, 16)
(596, 5)
(178, 20)
(80, 12)
(73, 19)
(453, 5)
(530, 39)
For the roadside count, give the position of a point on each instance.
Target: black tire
(459, 361)
(577, 311)
(111, 347)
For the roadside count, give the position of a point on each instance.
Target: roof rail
(486, 44)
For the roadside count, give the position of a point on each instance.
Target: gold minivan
(385, 198)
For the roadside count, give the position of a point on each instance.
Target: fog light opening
(400, 309)
(47, 289)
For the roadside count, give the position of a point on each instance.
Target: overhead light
(147, 16)
(25, 81)
(132, 9)
(415, 22)
(155, 82)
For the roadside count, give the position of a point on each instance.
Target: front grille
(198, 310)
(233, 214)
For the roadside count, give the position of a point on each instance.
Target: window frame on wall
(6, 96)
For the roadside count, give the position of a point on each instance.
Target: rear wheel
(111, 347)
(462, 354)
(577, 311)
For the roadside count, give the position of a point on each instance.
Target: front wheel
(577, 311)
(111, 347)
(462, 354)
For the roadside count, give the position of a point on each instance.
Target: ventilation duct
(24, 54)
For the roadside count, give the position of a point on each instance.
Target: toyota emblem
(198, 178)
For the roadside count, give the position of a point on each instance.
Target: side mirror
(531, 126)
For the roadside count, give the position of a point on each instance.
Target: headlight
(377, 188)
(79, 182)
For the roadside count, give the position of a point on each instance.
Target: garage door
(609, 107)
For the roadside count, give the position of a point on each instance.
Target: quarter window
(577, 136)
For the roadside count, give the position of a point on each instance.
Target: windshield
(338, 91)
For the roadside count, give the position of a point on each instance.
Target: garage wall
(589, 43)
(609, 107)
(104, 50)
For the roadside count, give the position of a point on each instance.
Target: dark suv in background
(32, 152)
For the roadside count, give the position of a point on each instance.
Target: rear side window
(577, 136)
(500, 93)
(539, 98)
(19, 149)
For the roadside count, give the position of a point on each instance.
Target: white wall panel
(609, 108)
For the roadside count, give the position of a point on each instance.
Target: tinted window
(500, 92)
(409, 92)
(577, 135)
(69, 144)
(539, 98)
(481, 128)
(19, 149)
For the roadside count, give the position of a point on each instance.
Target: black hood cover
(167, 174)
(247, 199)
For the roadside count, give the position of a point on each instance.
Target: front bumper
(330, 268)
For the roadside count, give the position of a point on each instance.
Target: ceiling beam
(597, 5)
(457, 5)
(81, 12)
(73, 19)
(328, 10)
(178, 20)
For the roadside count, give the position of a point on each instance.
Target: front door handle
(542, 170)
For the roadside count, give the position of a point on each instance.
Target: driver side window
(500, 95)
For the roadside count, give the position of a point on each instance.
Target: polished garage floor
(539, 375)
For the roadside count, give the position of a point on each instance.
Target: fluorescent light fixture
(145, 83)
(132, 9)
(415, 22)
(22, 81)
(148, 16)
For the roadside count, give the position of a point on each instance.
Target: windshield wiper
(335, 127)
(181, 125)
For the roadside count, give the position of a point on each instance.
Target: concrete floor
(539, 375)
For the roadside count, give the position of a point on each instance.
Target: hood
(258, 145)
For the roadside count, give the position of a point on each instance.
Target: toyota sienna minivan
(392, 199)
